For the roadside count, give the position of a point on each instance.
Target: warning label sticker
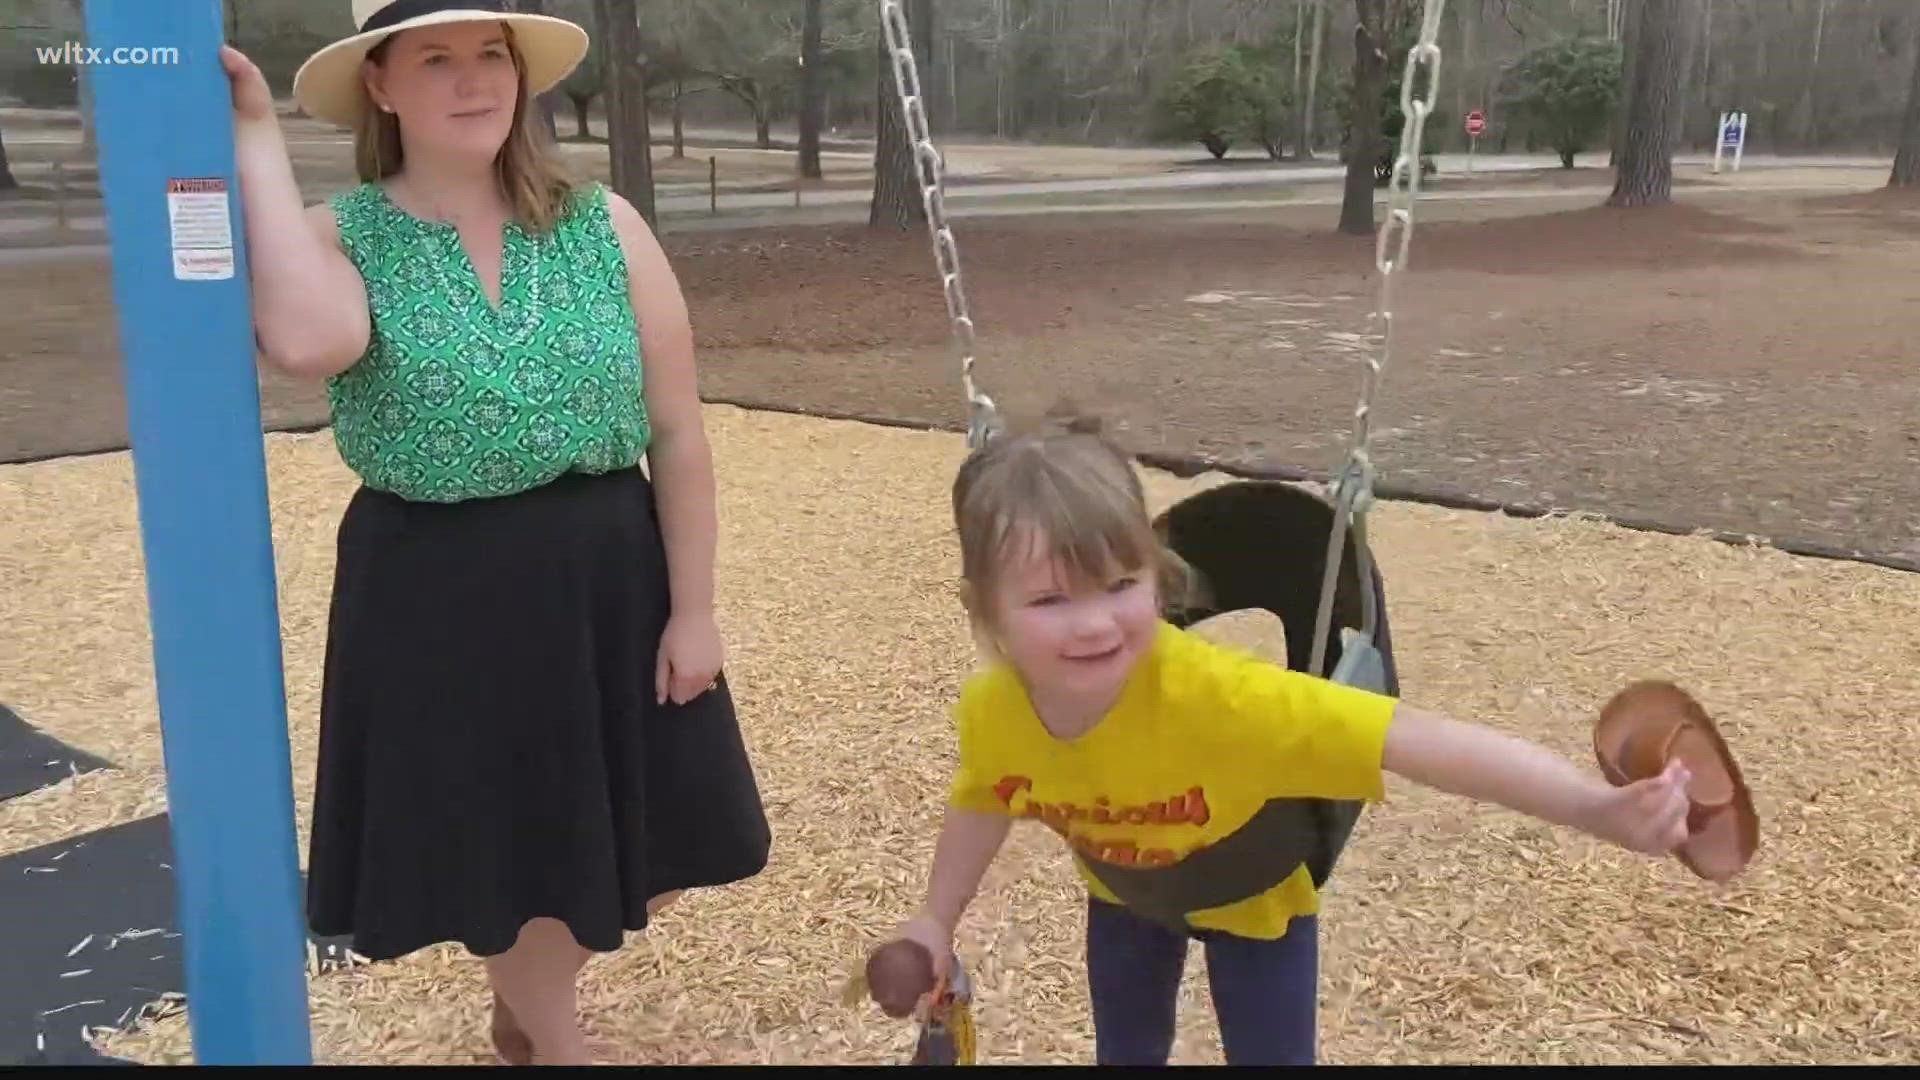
(201, 228)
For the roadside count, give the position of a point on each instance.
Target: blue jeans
(1265, 993)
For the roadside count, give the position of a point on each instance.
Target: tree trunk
(1808, 121)
(939, 53)
(920, 25)
(679, 119)
(7, 182)
(1313, 80)
(762, 127)
(1363, 141)
(1704, 106)
(812, 100)
(580, 127)
(953, 88)
(1626, 22)
(1906, 163)
(1693, 26)
(896, 179)
(83, 83)
(549, 102)
(629, 134)
(1000, 69)
(1645, 174)
(1464, 25)
(1299, 58)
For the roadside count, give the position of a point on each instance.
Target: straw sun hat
(328, 85)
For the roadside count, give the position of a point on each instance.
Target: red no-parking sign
(1476, 123)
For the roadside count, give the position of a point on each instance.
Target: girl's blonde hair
(536, 181)
(1066, 486)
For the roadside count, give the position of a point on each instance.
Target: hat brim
(1723, 839)
(328, 86)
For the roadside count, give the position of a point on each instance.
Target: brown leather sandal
(1651, 723)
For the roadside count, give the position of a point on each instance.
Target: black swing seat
(1262, 545)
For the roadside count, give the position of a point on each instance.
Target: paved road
(695, 205)
(697, 202)
(848, 211)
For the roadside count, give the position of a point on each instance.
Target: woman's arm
(1486, 765)
(309, 305)
(679, 457)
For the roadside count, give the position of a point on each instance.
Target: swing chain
(983, 421)
(1352, 485)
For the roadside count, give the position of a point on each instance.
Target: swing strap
(983, 419)
(1351, 488)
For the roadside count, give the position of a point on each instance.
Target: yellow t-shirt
(1190, 795)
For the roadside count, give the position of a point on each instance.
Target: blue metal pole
(165, 134)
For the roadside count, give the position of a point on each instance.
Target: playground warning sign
(201, 228)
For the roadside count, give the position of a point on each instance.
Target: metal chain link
(983, 417)
(1352, 486)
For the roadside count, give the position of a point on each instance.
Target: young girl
(1173, 766)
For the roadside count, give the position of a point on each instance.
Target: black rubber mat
(31, 759)
(90, 940)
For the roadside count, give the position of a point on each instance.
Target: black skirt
(490, 749)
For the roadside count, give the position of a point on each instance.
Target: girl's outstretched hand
(252, 101)
(1648, 816)
(1491, 766)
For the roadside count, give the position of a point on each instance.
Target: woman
(526, 743)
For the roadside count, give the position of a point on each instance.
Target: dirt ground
(1739, 363)
(1740, 368)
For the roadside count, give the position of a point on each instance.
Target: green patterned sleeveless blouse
(457, 399)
